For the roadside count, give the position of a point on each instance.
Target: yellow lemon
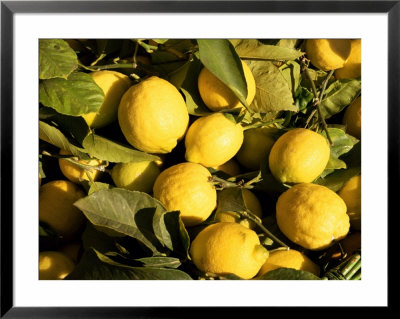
(217, 96)
(352, 118)
(56, 209)
(153, 116)
(351, 194)
(135, 176)
(230, 168)
(252, 204)
(54, 265)
(299, 156)
(114, 85)
(289, 259)
(256, 146)
(312, 216)
(328, 54)
(78, 174)
(213, 140)
(224, 248)
(352, 68)
(186, 187)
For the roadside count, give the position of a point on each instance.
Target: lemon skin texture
(153, 116)
(54, 265)
(328, 54)
(217, 96)
(351, 194)
(251, 202)
(312, 216)
(352, 68)
(77, 174)
(56, 209)
(114, 85)
(186, 187)
(230, 168)
(299, 156)
(224, 248)
(213, 140)
(256, 146)
(352, 118)
(135, 176)
(289, 259)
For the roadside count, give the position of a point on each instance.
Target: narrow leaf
(287, 274)
(221, 59)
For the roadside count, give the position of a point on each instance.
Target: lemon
(77, 174)
(299, 156)
(289, 259)
(230, 168)
(135, 176)
(312, 216)
(224, 248)
(256, 146)
(186, 187)
(114, 85)
(328, 54)
(213, 140)
(217, 96)
(56, 209)
(251, 202)
(153, 116)
(352, 68)
(351, 194)
(54, 265)
(352, 118)
(72, 250)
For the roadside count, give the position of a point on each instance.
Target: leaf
(77, 95)
(339, 95)
(342, 143)
(287, 274)
(221, 59)
(96, 266)
(254, 49)
(52, 135)
(56, 59)
(336, 180)
(194, 103)
(108, 150)
(167, 262)
(97, 186)
(96, 239)
(292, 75)
(231, 199)
(127, 212)
(272, 90)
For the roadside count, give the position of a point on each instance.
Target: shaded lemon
(352, 68)
(328, 54)
(54, 265)
(351, 194)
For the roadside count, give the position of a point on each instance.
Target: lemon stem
(316, 99)
(221, 183)
(70, 158)
(257, 221)
(261, 124)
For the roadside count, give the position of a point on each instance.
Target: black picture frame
(9, 8)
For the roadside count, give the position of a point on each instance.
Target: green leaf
(221, 59)
(189, 88)
(127, 212)
(108, 150)
(254, 49)
(287, 274)
(342, 143)
(76, 95)
(96, 239)
(52, 135)
(339, 95)
(167, 262)
(56, 59)
(292, 75)
(272, 90)
(97, 186)
(231, 199)
(96, 266)
(338, 178)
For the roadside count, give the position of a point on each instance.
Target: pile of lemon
(153, 118)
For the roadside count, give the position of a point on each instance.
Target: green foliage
(287, 274)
